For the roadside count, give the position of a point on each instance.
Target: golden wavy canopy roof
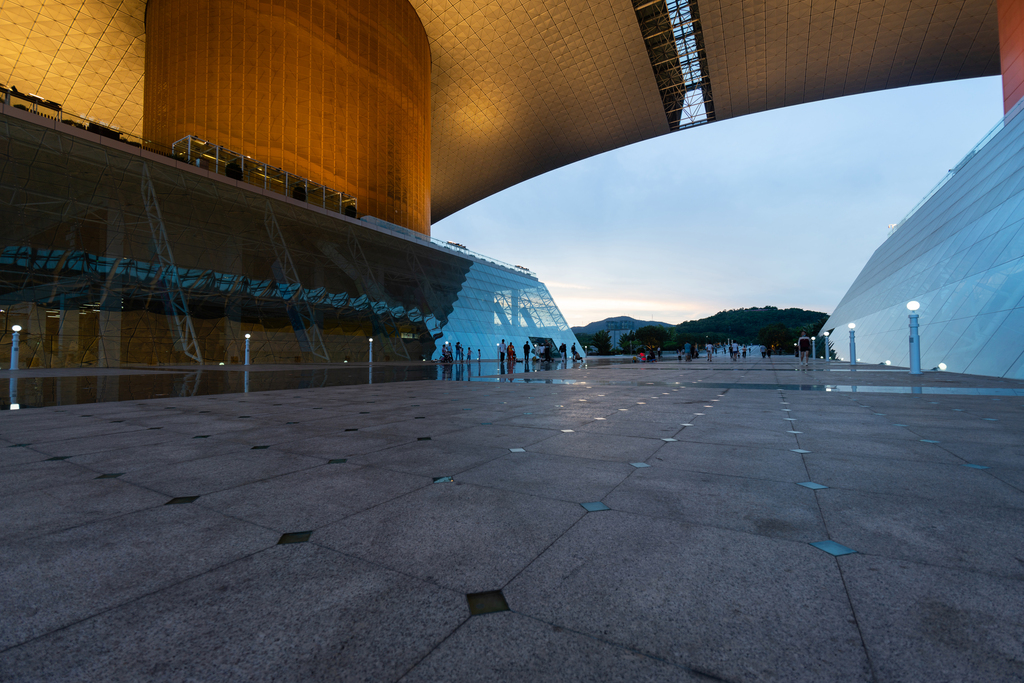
(521, 87)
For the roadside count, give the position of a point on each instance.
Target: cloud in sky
(780, 208)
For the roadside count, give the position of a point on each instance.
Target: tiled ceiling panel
(88, 55)
(774, 53)
(522, 87)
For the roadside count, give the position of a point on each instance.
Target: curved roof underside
(521, 87)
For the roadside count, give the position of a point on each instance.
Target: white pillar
(14, 346)
(915, 339)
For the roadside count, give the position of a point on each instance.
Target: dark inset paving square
(294, 537)
(487, 602)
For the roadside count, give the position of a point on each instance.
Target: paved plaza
(611, 522)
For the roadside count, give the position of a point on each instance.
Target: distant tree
(585, 340)
(653, 335)
(776, 336)
(743, 324)
(603, 342)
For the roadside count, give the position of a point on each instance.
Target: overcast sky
(780, 208)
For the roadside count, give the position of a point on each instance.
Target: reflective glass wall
(111, 256)
(961, 255)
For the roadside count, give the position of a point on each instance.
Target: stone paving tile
(45, 510)
(497, 435)
(429, 459)
(316, 615)
(12, 455)
(934, 624)
(757, 506)
(612, 427)
(507, 646)
(711, 572)
(599, 446)
(465, 537)
(927, 531)
(951, 483)
(51, 581)
(651, 584)
(907, 447)
(339, 445)
(563, 478)
(175, 450)
(311, 498)
(41, 474)
(739, 461)
(139, 438)
(202, 477)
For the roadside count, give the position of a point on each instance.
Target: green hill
(743, 324)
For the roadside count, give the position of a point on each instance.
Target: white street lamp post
(371, 349)
(853, 345)
(824, 340)
(915, 339)
(14, 346)
(247, 349)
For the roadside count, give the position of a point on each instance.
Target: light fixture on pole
(247, 348)
(814, 346)
(824, 339)
(14, 346)
(371, 349)
(853, 345)
(915, 339)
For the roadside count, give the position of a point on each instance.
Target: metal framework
(675, 45)
(173, 293)
(300, 312)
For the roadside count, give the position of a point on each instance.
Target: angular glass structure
(960, 253)
(111, 255)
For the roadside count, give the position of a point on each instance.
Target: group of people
(735, 350)
(541, 352)
(507, 353)
(448, 357)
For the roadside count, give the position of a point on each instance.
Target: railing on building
(192, 150)
(238, 166)
(462, 249)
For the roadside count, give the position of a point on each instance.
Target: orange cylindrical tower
(1011, 50)
(337, 91)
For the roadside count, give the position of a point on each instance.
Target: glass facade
(960, 253)
(114, 256)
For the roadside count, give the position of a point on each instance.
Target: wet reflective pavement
(605, 522)
(33, 389)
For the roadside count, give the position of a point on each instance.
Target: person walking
(458, 351)
(561, 350)
(526, 355)
(501, 351)
(510, 350)
(804, 344)
(710, 350)
(469, 354)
